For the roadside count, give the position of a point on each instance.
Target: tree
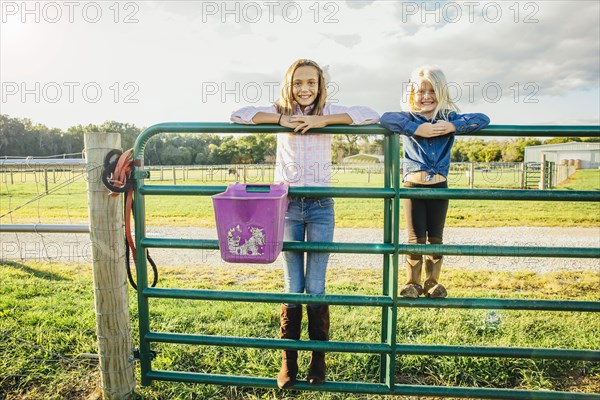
(515, 150)
(371, 144)
(558, 140)
(12, 136)
(491, 152)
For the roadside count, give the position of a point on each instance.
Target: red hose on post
(117, 176)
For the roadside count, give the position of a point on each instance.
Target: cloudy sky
(146, 62)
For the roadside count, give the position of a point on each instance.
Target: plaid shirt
(305, 160)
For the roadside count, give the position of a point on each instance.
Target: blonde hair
(437, 79)
(285, 103)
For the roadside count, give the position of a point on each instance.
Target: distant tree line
(21, 137)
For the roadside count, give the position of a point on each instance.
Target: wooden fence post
(111, 300)
(46, 179)
(471, 175)
(523, 175)
(542, 184)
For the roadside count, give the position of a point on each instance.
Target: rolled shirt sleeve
(399, 122)
(360, 115)
(468, 123)
(245, 115)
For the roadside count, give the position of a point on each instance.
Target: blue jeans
(307, 219)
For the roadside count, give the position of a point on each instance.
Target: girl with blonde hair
(428, 129)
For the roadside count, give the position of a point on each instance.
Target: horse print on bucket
(253, 246)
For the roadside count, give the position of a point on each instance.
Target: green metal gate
(390, 249)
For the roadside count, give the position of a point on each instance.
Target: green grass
(69, 204)
(47, 322)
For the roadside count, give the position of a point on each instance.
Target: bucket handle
(258, 188)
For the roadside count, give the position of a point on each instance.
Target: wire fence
(38, 193)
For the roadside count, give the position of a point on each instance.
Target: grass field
(47, 322)
(47, 317)
(69, 204)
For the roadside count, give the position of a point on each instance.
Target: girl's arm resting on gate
(359, 115)
(399, 122)
(266, 118)
(303, 123)
(250, 115)
(320, 121)
(468, 123)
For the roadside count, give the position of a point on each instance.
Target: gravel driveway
(77, 248)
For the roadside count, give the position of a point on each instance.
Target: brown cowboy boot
(412, 288)
(318, 329)
(291, 320)
(433, 268)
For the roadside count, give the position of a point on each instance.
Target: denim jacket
(429, 154)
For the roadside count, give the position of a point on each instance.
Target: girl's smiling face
(425, 99)
(305, 86)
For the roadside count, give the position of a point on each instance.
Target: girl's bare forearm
(266, 118)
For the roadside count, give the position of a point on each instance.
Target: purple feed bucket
(250, 221)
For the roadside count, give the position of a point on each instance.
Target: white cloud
(177, 50)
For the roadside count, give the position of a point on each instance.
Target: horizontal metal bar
(190, 190)
(263, 343)
(500, 194)
(313, 247)
(44, 228)
(502, 304)
(378, 348)
(381, 193)
(339, 299)
(500, 251)
(540, 130)
(387, 248)
(231, 380)
(352, 192)
(181, 190)
(491, 393)
(502, 352)
(43, 162)
(336, 247)
(375, 129)
(262, 297)
(373, 388)
(167, 243)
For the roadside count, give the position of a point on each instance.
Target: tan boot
(412, 288)
(433, 268)
(318, 329)
(291, 320)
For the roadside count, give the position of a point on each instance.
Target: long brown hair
(285, 103)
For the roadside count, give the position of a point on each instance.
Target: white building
(587, 152)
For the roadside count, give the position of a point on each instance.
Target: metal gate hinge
(137, 353)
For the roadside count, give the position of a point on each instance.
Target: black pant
(425, 218)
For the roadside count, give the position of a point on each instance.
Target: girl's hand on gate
(444, 127)
(286, 121)
(425, 130)
(306, 122)
(440, 128)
